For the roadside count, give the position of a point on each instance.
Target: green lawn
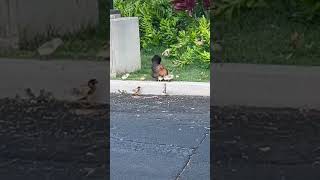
(188, 73)
(71, 49)
(263, 37)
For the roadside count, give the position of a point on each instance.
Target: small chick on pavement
(90, 90)
(164, 92)
(137, 91)
(29, 93)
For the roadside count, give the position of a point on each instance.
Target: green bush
(162, 27)
(193, 44)
(168, 31)
(306, 9)
(150, 15)
(231, 8)
(312, 8)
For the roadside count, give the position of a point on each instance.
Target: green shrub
(169, 31)
(193, 45)
(161, 26)
(231, 8)
(312, 8)
(306, 9)
(150, 14)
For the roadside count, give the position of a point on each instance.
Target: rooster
(158, 70)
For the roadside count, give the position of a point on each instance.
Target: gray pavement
(158, 137)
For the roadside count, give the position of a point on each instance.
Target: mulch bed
(265, 143)
(42, 138)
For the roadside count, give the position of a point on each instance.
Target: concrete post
(124, 45)
(8, 25)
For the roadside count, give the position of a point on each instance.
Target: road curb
(156, 88)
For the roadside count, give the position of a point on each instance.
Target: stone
(49, 47)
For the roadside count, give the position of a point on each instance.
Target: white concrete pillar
(124, 45)
(9, 38)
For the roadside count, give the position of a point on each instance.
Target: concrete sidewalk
(61, 76)
(156, 88)
(232, 84)
(56, 76)
(265, 85)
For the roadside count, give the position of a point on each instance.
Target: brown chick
(158, 70)
(137, 91)
(91, 89)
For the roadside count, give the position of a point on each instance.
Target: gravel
(265, 143)
(42, 138)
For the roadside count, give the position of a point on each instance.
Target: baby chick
(137, 91)
(90, 90)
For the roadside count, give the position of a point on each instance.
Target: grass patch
(263, 36)
(21, 54)
(84, 44)
(187, 73)
(81, 45)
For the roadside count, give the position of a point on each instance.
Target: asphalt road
(45, 139)
(159, 137)
(265, 143)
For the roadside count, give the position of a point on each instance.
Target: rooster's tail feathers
(156, 59)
